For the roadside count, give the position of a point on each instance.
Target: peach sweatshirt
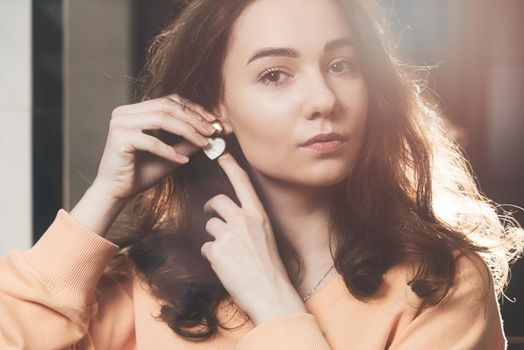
(57, 296)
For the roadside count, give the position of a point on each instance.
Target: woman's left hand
(244, 254)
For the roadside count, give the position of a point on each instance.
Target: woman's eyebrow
(293, 53)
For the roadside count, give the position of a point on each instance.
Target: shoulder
(472, 278)
(468, 317)
(114, 294)
(472, 281)
(114, 312)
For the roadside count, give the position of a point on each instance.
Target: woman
(373, 237)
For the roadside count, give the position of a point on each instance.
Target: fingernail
(211, 117)
(207, 116)
(217, 126)
(209, 127)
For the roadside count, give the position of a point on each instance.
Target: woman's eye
(272, 77)
(341, 66)
(275, 76)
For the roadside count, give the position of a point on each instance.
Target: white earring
(216, 145)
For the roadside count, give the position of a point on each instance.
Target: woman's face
(276, 100)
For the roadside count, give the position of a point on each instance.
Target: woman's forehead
(306, 24)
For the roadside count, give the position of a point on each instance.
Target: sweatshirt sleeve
(47, 293)
(467, 318)
(298, 331)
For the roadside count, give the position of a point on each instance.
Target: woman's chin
(324, 178)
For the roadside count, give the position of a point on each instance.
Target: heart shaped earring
(216, 145)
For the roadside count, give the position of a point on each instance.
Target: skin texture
(317, 92)
(259, 285)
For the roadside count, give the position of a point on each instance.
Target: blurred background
(66, 64)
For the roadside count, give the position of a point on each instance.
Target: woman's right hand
(133, 161)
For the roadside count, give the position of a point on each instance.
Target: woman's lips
(325, 146)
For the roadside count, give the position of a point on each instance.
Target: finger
(186, 148)
(190, 117)
(142, 142)
(222, 205)
(193, 106)
(215, 227)
(207, 250)
(164, 121)
(202, 126)
(241, 183)
(170, 102)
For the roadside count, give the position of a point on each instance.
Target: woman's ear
(222, 116)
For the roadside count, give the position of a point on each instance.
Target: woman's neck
(302, 214)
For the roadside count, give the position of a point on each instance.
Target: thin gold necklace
(318, 284)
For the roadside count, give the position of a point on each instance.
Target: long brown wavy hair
(411, 195)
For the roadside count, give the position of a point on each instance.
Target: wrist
(97, 210)
(98, 190)
(288, 302)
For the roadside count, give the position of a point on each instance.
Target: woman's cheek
(263, 132)
(271, 115)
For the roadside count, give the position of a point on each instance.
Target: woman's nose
(319, 100)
